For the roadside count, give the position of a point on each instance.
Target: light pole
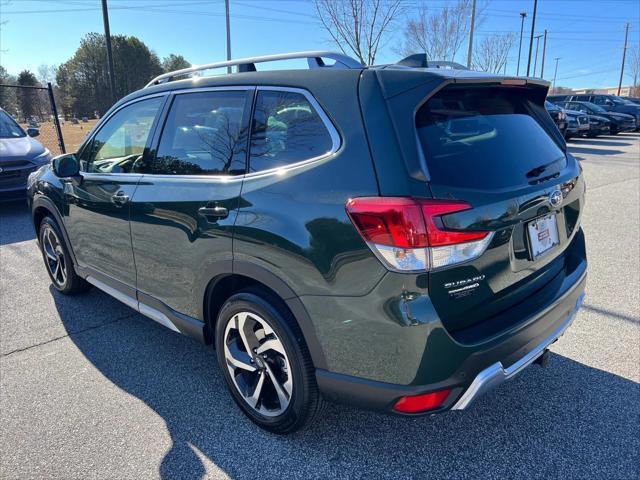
(107, 35)
(473, 21)
(544, 53)
(533, 29)
(523, 15)
(226, 7)
(535, 61)
(624, 55)
(555, 72)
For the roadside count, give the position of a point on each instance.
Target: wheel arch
(248, 276)
(43, 207)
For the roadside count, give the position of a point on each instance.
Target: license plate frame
(543, 235)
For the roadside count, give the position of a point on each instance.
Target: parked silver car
(20, 154)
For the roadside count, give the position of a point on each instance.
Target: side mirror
(66, 165)
(33, 132)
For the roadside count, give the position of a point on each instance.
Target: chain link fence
(34, 108)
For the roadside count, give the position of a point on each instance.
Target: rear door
(185, 206)
(491, 146)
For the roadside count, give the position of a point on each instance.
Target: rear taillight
(408, 234)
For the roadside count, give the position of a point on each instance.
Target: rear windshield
(484, 138)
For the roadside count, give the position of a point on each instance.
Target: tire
(278, 410)
(57, 259)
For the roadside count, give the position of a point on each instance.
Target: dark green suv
(398, 238)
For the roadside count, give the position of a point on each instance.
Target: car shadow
(569, 419)
(593, 151)
(15, 222)
(600, 142)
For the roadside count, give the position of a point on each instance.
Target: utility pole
(107, 35)
(555, 72)
(533, 28)
(473, 21)
(624, 55)
(535, 61)
(544, 52)
(523, 15)
(226, 7)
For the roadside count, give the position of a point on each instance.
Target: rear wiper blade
(537, 171)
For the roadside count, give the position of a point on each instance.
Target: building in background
(624, 91)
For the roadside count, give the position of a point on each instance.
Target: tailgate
(490, 146)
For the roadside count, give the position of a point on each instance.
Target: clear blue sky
(587, 34)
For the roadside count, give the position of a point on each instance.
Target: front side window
(286, 130)
(119, 145)
(203, 135)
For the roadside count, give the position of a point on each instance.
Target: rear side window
(484, 138)
(286, 129)
(203, 135)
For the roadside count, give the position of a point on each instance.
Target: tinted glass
(286, 130)
(582, 98)
(484, 138)
(8, 127)
(578, 107)
(203, 135)
(551, 107)
(119, 144)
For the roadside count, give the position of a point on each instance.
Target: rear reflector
(408, 234)
(421, 403)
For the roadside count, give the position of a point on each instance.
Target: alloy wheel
(258, 364)
(54, 256)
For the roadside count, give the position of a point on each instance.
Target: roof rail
(419, 60)
(314, 59)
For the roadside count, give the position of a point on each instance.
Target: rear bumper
(599, 130)
(484, 367)
(494, 375)
(13, 193)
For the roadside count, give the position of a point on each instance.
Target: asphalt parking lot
(91, 389)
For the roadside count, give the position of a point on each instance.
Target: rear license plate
(543, 235)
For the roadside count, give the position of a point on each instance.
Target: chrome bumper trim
(495, 374)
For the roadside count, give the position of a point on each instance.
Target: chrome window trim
(336, 140)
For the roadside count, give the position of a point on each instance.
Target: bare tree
(491, 53)
(439, 33)
(559, 90)
(47, 73)
(359, 27)
(633, 70)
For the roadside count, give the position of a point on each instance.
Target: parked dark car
(610, 103)
(635, 100)
(577, 124)
(292, 219)
(558, 115)
(20, 154)
(620, 122)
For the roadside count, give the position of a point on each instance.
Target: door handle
(216, 212)
(120, 198)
